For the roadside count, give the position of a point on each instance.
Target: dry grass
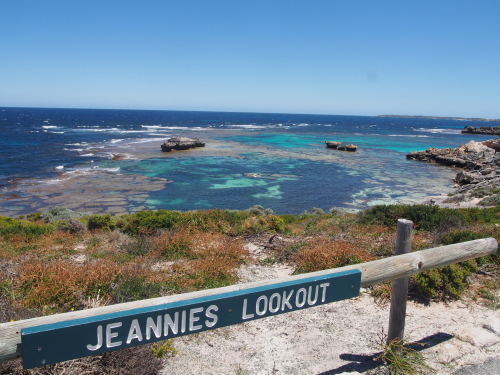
(61, 284)
(323, 253)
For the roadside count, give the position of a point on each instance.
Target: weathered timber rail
(374, 272)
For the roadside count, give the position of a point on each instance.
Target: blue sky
(337, 57)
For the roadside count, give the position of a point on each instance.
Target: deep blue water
(34, 142)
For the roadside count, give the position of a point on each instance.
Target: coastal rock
(181, 143)
(332, 144)
(485, 130)
(477, 336)
(349, 147)
(341, 146)
(480, 162)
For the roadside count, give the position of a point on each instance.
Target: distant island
(444, 118)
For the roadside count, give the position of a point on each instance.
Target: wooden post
(399, 292)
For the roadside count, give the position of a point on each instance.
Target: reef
(181, 143)
(484, 130)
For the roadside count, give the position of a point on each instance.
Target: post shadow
(365, 362)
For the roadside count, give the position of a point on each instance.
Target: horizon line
(258, 112)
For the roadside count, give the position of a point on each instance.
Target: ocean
(99, 160)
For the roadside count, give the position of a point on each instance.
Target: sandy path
(332, 339)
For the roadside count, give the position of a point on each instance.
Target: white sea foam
(408, 135)
(59, 167)
(249, 126)
(77, 144)
(438, 131)
(161, 127)
(145, 140)
(116, 140)
(87, 155)
(49, 126)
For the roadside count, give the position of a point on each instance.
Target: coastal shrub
(138, 246)
(72, 226)
(484, 192)
(173, 245)
(12, 227)
(323, 253)
(197, 245)
(257, 210)
(258, 224)
(104, 222)
(55, 214)
(317, 211)
(443, 283)
(222, 221)
(458, 236)
(134, 288)
(35, 216)
(493, 200)
(430, 218)
(148, 222)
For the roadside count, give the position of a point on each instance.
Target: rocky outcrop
(349, 147)
(480, 161)
(485, 130)
(332, 144)
(181, 143)
(341, 146)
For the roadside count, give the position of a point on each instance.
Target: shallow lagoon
(279, 161)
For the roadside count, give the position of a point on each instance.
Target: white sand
(327, 339)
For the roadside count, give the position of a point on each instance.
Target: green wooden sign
(57, 342)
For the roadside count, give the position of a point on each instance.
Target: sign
(57, 342)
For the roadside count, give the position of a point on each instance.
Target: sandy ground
(336, 338)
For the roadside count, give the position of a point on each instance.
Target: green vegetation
(50, 262)
(14, 227)
(103, 222)
(165, 349)
(430, 218)
(400, 359)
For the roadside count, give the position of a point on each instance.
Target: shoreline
(478, 179)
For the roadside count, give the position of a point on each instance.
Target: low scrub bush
(458, 236)
(324, 253)
(138, 246)
(16, 227)
(197, 245)
(442, 284)
(133, 288)
(430, 218)
(103, 222)
(71, 226)
(492, 200)
(59, 214)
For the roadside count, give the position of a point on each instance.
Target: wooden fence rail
(374, 272)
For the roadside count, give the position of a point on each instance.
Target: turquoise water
(277, 160)
(400, 143)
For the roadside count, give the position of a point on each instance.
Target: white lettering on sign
(194, 319)
(286, 300)
(190, 320)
